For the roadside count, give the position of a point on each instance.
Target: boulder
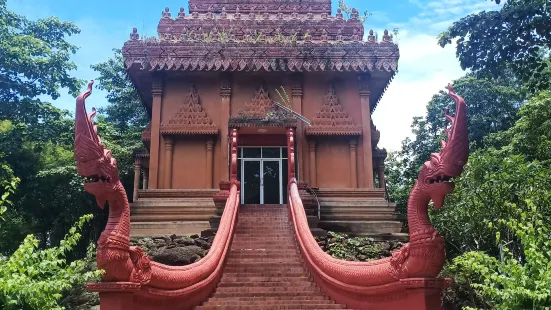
(178, 256)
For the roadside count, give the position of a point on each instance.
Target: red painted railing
(374, 285)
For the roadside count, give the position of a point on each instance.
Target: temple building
(223, 65)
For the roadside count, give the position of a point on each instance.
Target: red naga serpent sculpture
(402, 281)
(127, 267)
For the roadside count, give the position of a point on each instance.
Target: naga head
(93, 161)
(435, 175)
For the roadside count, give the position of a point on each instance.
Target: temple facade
(233, 64)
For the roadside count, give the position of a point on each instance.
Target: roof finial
(182, 13)
(134, 35)
(166, 13)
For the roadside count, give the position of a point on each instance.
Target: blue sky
(424, 67)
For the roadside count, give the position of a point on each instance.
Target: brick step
(295, 283)
(266, 266)
(277, 261)
(264, 234)
(266, 243)
(263, 252)
(285, 273)
(259, 268)
(260, 246)
(253, 290)
(273, 237)
(277, 305)
(265, 293)
(260, 279)
(274, 298)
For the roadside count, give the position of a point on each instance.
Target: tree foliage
(32, 279)
(517, 279)
(531, 134)
(125, 110)
(516, 37)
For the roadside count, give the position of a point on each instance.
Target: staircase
(264, 269)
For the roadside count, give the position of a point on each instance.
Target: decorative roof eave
(315, 132)
(237, 122)
(300, 57)
(167, 131)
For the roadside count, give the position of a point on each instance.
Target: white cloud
(425, 68)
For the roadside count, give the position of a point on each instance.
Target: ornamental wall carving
(191, 118)
(237, 26)
(247, 6)
(332, 119)
(262, 111)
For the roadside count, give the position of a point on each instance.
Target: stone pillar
(353, 167)
(296, 92)
(157, 92)
(145, 178)
(225, 112)
(168, 162)
(209, 169)
(137, 169)
(366, 125)
(381, 175)
(313, 180)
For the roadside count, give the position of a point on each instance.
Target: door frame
(261, 162)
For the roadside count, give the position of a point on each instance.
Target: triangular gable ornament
(332, 119)
(191, 118)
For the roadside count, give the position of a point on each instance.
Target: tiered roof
(261, 35)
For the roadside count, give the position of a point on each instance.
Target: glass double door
(263, 178)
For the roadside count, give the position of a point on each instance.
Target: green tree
(36, 138)
(515, 37)
(531, 134)
(125, 110)
(32, 279)
(123, 119)
(518, 220)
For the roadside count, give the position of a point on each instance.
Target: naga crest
(93, 161)
(435, 175)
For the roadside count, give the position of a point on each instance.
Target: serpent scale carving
(130, 266)
(364, 284)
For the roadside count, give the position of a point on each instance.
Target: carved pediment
(261, 111)
(191, 118)
(332, 119)
(259, 106)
